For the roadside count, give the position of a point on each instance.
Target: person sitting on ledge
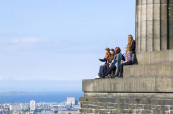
(116, 61)
(128, 61)
(111, 57)
(104, 66)
(132, 45)
(112, 54)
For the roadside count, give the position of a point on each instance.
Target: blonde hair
(128, 49)
(130, 40)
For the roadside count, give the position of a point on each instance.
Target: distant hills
(19, 93)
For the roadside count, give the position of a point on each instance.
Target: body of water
(39, 97)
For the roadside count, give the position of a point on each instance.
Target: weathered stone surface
(170, 15)
(163, 35)
(150, 35)
(157, 2)
(156, 36)
(155, 57)
(127, 105)
(148, 70)
(153, 27)
(128, 85)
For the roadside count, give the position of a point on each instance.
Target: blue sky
(51, 45)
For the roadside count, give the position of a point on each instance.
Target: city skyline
(53, 45)
(40, 107)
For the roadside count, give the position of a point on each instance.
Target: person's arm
(113, 59)
(133, 46)
(103, 60)
(118, 59)
(127, 58)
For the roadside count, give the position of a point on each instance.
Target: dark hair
(112, 50)
(117, 50)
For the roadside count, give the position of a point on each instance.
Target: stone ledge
(148, 70)
(155, 57)
(129, 85)
(129, 95)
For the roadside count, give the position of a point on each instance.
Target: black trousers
(120, 67)
(112, 67)
(103, 69)
(134, 58)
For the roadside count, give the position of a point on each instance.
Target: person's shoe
(106, 76)
(109, 76)
(116, 74)
(98, 77)
(120, 76)
(99, 74)
(102, 75)
(113, 76)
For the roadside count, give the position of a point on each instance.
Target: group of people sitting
(115, 59)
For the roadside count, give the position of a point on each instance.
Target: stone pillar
(154, 22)
(170, 15)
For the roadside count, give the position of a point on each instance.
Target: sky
(52, 45)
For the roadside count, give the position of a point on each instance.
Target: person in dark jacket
(111, 57)
(116, 61)
(106, 64)
(132, 46)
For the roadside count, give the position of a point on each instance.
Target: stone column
(154, 22)
(170, 17)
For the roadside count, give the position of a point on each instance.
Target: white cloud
(27, 40)
(20, 44)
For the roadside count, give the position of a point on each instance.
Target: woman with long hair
(131, 43)
(107, 54)
(128, 61)
(104, 66)
(132, 46)
(116, 61)
(112, 53)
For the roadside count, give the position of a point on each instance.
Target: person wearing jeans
(117, 59)
(128, 61)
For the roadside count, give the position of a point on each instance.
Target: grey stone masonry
(154, 25)
(158, 84)
(126, 104)
(155, 57)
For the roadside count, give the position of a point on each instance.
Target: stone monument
(146, 88)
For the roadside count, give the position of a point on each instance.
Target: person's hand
(110, 64)
(98, 58)
(124, 61)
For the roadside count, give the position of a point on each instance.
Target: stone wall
(127, 104)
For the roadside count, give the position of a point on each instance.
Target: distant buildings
(66, 107)
(32, 105)
(18, 106)
(70, 100)
(68, 112)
